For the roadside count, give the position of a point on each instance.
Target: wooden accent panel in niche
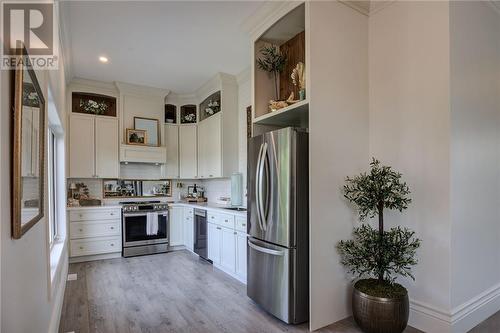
(79, 99)
(295, 49)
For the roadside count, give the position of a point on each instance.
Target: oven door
(134, 229)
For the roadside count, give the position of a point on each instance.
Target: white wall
(409, 130)
(475, 155)
(28, 301)
(338, 124)
(244, 100)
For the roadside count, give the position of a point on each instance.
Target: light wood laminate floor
(172, 292)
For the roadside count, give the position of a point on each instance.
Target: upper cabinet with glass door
(218, 127)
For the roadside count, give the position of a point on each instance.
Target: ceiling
(171, 45)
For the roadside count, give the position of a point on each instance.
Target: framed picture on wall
(137, 137)
(151, 126)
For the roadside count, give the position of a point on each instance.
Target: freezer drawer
(272, 281)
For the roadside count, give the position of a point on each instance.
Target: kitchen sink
(238, 209)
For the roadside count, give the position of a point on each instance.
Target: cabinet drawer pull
(235, 233)
(218, 228)
(81, 247)
(243, 224)
(112, 244)
(112, 228)
(112, 214)
(81, 215)
(80, 229)
(226, 220)
(212, 217)
(210, 175)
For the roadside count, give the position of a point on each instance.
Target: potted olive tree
(376, 256)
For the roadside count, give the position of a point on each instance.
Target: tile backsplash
(94, 186)
(215, 189)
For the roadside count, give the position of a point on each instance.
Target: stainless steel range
(145, 228)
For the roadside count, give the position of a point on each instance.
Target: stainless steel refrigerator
(278, 223)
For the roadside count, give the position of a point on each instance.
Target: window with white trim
(52, 172)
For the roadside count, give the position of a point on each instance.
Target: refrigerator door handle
(265, 250)
(258, 194)
(260, 179)
(265, 206)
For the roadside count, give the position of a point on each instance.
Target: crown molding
(357, 6)
(266, 15)
(494, 4)
(65, 44)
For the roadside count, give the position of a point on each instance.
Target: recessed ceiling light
(103, 59)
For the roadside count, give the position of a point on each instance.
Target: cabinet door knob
(112, 228)
(81, 215)
(243, 224)
(226, 220)
(112, 214)
(235, 233)
(80, 229)
(112, 244)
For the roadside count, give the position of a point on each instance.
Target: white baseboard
(476, 310)
(428, 318)
(59, 298)
(73, 260)
(462, 318)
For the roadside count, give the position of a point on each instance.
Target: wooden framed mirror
(28, 147)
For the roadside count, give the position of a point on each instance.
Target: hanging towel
(148, 224)
(152, 224)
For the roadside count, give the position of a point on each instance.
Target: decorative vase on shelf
(302, 94)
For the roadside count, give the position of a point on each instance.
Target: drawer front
(94, 214)
(94, 229)
(226, 220)
(240, 224)
(213, 217)
(188, 214)
(85, 247)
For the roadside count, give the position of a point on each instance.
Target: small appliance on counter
(145, 228)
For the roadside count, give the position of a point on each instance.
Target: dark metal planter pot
(380, 315)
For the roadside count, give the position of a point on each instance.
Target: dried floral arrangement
(93, 107)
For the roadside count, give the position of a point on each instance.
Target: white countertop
(204, 205)
(209, 206)
(95, 207)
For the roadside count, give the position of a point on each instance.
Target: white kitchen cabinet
(214, 235)
(188, 154)
(188, 225)
(106, 148)
(228, 249)
(81, 146)
(176, 228)
(172, 143)
(210, 147)
(94, 232)
(241, 255)
(93, 147)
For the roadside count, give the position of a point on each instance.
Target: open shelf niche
(288, 34)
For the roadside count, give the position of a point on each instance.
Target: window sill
(56, 253)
